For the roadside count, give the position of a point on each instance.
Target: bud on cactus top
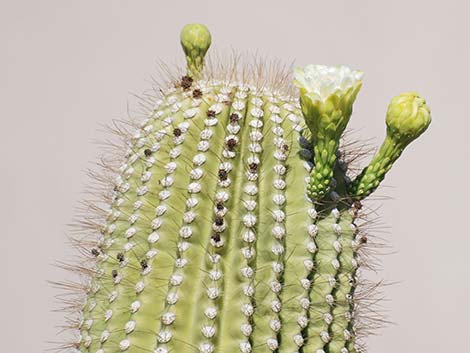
(408, 117)
(196, 40)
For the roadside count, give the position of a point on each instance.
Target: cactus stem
(230, 225)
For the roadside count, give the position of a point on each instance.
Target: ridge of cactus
(232, 222)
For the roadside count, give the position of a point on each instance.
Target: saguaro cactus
(233, 223)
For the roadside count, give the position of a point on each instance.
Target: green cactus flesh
(213, 242)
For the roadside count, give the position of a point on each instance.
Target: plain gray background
(69, 66)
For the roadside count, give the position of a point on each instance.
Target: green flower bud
(195, 40)
(408, 117)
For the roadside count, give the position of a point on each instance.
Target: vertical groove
(173, 318)
(114, 242)
(232, 337)
(300, 230)
(341, 328)
(214, 273)
(359, 241)
(224, 211)
(141, 256)
(324, 282)
(186, 326)
(179, 224)
(238, 282)
(271, 233)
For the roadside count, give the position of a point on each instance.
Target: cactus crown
(232, 224)
(195, 40)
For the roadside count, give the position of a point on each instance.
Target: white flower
(321, 81)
